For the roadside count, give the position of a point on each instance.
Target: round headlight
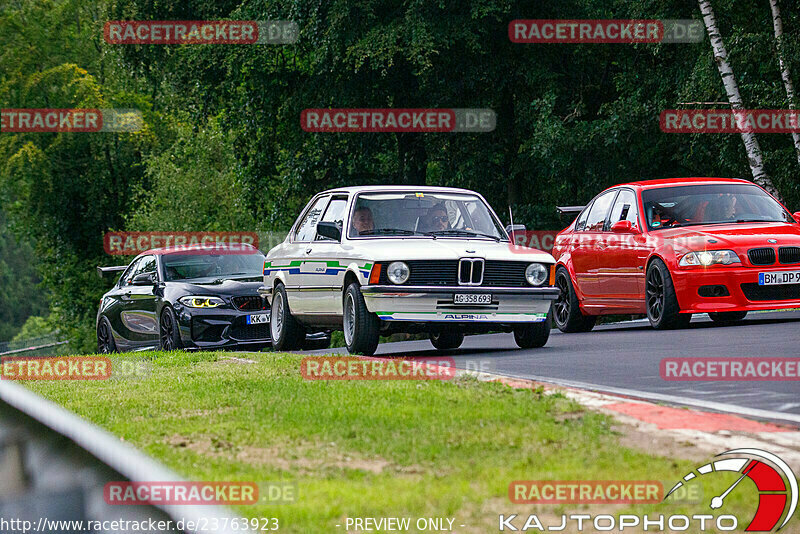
(536, 274)
(398, 272)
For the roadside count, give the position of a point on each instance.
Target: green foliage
(20, 295)
(223, 148)
(194, 185)
(36, 326)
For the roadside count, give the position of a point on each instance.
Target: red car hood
(734, 235)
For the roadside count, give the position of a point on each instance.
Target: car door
(330, 266)
(114, 302)
(302, 289)
(139, 305)
(585, 249)
(621, 257)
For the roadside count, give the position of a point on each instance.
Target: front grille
(755, 292)
(761, 256)
(789, 255)
(445, 273)
(470, 271)
(243, 331)
(250, 303)
(505, 274)
(428, 273)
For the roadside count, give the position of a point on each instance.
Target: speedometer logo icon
(774, 479)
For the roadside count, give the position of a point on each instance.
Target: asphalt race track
(624, 358)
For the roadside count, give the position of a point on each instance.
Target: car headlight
(709, 257)
(201, 302)
(398, 272)
(536, 274)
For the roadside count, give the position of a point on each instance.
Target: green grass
(366, 448)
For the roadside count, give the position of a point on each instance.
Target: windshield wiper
(455, 231)
(397, 231)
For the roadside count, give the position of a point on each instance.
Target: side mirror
(330, 230)
(623, 227)
(144, 279)
(511, 228)
(796, 216)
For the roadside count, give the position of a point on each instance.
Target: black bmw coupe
(189, 298)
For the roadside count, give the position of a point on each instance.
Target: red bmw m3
(674, 247)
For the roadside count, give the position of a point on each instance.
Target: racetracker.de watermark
(88, 120)
(133, 243)
(355, 368)
(630, 31)
(585, 491)
(720, 369)
(384, 120)
(57, 368)
(26, 368)
(729, 121)
(167, 32)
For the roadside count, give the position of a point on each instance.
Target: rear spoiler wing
(569, 209)
(102, 271)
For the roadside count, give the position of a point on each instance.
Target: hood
(734, 235)
(446, 248)
(209, 286)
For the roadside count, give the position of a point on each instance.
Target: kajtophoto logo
(775, 481)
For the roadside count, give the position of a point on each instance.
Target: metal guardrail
(37, 347)
(6, 346)
(54, 465)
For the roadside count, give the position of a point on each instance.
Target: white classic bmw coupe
(376, 260)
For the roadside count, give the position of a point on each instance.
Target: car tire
(567, 313)
(169, 334)
(105, 338)
(361, 327)
(446, 340)
(285, 331)
(317, 344)
(663, 310)
(533, 335)
(727, 317)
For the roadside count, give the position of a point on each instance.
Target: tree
(751, 145)
(777, 24)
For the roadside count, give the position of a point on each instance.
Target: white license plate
(261, 318)
(471, 298)
(779, 278)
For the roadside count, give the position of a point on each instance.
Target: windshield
(191, 266)
(670, 207)
(425, 214)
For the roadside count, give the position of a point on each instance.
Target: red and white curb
(709, 431)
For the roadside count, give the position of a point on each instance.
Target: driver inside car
(435, 220)
(362, 221)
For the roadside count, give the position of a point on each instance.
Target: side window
(581, 224)
(307, 228)
(596, 219)
(625, 208)
(147, 265)
(127, 276)
(334, 213)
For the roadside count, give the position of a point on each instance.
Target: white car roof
(378, 188)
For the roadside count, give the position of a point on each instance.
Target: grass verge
(369, 449)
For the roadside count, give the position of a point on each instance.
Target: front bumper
(741, 283)
(424, 304)
(217, 328)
